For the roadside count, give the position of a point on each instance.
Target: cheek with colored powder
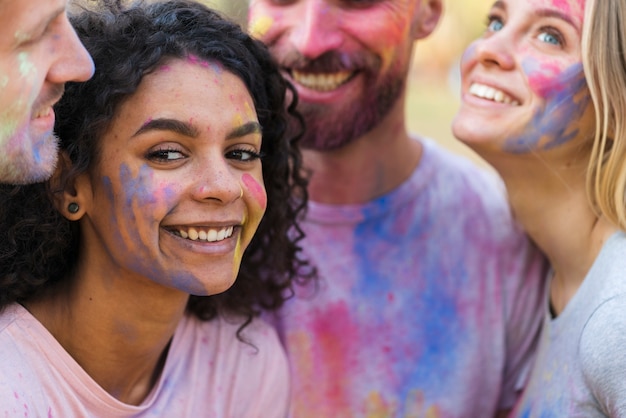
(469, 56)
(556, 122)
(256, 189)
(140, 202)
(259, 25)
(545, 79)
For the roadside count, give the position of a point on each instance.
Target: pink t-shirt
(208, 373)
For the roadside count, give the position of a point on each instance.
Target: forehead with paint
(314, 26)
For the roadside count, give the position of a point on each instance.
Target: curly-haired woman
(131, 281)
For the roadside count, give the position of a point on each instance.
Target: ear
(67, 190)
(427, 15)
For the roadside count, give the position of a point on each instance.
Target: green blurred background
(433, 94)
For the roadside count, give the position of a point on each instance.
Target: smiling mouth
(203, 234)
(322, 81)
(490, 93)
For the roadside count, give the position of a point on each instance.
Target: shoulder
(256, 339)
(464, 181)
(602, 354)
(250, 361)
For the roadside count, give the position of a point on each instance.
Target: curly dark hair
(39, 247)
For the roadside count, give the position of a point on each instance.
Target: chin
(28, 160)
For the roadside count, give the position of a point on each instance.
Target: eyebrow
(245, 129)
(558, 15)
(187, 129)
(544, 13)
(164, 124)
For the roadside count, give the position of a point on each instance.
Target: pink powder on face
(256, 189)
(147, 122)
(544, 78)
(573, 8)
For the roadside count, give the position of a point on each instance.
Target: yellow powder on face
(260, 25)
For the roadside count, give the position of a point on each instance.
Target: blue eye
(550, 38)
(494, 24)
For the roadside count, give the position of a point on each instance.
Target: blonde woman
(542, 93)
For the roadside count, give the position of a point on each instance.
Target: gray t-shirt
(580, 369)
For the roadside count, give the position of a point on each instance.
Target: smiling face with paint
(177, 192)
(523, 86)
(347, 59)
(39, 53)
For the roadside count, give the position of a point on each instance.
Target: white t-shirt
(208, 373)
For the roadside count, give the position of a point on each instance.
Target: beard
(27, 160)
(329, 127)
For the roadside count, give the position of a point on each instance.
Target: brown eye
(164, 155)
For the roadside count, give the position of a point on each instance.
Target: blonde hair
(604, 61)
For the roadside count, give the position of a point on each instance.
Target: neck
(120, 343)
(548, 197)
(368, 167)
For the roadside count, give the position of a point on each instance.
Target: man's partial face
(39, 53)
(348, 60)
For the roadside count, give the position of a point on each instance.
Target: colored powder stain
(563, 5)
(27, 68)
(416, 406)
(193, 59)
(141, 192)
(544, 78)
(237, 120)
(260, 26)
(377, 407)
(21, 37)
(567, 7)
(552, 125)
(256, 189)
(249, 111)
(334, 333)
(150, 119)
(469, 53)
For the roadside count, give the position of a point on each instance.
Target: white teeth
(489, 93)
(208, 234)
(43, 112)
(321, 81)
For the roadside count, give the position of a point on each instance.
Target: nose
(73, 62)
(496, 50)
(317, 28)
(217, 181)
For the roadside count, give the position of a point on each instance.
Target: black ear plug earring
(73, 207)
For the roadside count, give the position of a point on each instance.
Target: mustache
(330, 62)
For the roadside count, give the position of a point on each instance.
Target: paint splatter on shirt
(428, 303)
